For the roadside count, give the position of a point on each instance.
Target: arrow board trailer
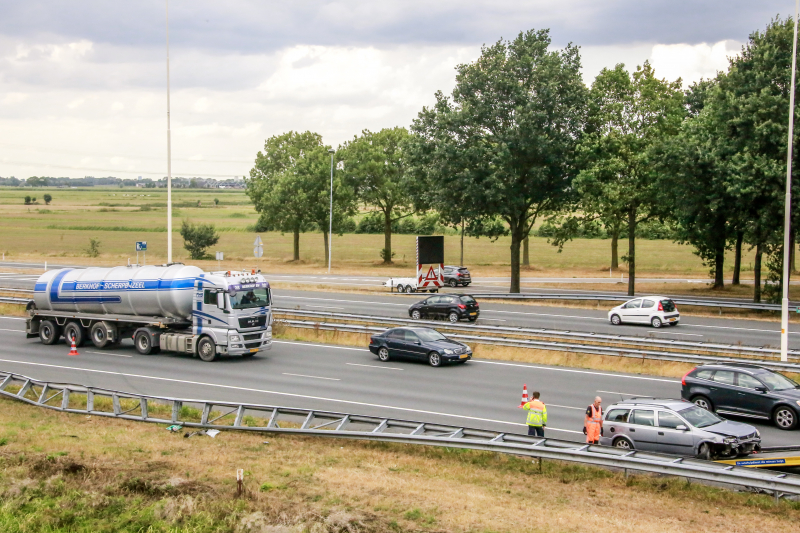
(173, 307)
(430, 268)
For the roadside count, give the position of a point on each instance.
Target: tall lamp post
(330, 226)
(787, 209)
(169, 159)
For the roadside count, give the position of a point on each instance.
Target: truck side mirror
(221, 300)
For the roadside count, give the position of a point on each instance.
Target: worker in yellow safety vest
(537, 416)
(593, 424)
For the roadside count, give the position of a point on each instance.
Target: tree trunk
(325, 238)
(631, 251)
(526, 261)
(737, 260)
(719, 263)
(757, 275)
(615, 247)
(387, 237)
(461, 263)
(296, 245)
(516, 241)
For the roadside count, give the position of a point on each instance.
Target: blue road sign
(141, 246)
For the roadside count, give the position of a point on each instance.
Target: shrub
(47, 199)
(216, 201)
(94, 248)
(27, 200)
(384, 256)
(197, 238)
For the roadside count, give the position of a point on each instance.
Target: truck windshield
(250, 298)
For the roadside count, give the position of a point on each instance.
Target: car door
(724, 395)
(670, 438)
(629, 311)
(433, 306)
(426, 308)
(414, 346)
(648, 308)
(642, 429)
(396, 342)
(749, 399)
(616, 424)
(443, 305)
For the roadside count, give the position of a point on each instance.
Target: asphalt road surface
(481, 393)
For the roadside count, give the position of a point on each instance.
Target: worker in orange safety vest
(593, 424)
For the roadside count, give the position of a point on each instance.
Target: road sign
(257, 242)
(258, 251)
(220, 256)
(141, 246)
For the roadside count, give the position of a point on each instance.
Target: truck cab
(233, 310)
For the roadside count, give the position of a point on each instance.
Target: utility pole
(330, 227)
(787, 209)
(169, 159)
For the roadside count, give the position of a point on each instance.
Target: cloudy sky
(83, 83)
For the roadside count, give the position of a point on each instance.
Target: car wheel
(656, 322)
(703, 403)
(99, 335)
(49, 332)
(383, 353)
(616, 320)
(74, 331)
(453, 283)
(206, 349)
(143, 342)
(623, 444)
(401, 288)
(453, 317)
(415, 314)
(785, 418)
(435, 359)
(704, 452)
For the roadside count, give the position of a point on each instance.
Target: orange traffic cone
(74, 350)
(524, 396)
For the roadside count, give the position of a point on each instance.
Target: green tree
(197, 238)
(628, 116)
(375, 167)
(503, 146)
(27, 199)
(47, 199)
(216, 201)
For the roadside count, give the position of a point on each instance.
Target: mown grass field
(119, 217)
(73, 473)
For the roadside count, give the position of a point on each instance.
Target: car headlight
(758, 434)
(448, 351)
(729, 440)
(798, 402)
(234, 338)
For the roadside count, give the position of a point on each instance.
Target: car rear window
(618, 415)
(468, 299)
(643, 418)
(668, 305)
(463, 270)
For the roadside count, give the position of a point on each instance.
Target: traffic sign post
(258, 249)
(220, 257)
(141, 246)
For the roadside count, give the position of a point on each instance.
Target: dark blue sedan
(419, 343)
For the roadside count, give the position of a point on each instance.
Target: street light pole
(169, 158)
(330, 226)
(787, 209)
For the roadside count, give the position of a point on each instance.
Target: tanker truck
(173, 307)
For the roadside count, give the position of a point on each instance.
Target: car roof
(669, 403)
(651, 297)
(742, 367)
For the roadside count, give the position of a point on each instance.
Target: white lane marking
(324, 306)
(14, 330)
(622, 393)
(674, 333)
(376, 366)
(307, 376)
(12, 317)
(278, 297)
(494, 319)
(293, 395)
(109, 353)
(576, 371)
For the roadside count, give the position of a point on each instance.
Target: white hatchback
(654, 310)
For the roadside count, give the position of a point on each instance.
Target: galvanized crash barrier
(222, 415)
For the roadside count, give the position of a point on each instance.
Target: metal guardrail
(274, 419)
(618, 298)
(12, 300)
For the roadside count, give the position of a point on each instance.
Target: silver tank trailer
(127, 290)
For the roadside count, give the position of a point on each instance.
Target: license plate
(253, 350)
(463, 356)
(473, 314)
(672, 319)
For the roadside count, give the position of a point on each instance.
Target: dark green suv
(744, 390)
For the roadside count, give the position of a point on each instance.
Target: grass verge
(62, 472)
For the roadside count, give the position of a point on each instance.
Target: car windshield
(250, 298)
(777, 381)
(699, 417)
(668, 305)
(468, 299)
(429, 335)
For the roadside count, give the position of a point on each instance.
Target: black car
(455, 276)
(419, 343)
(453, 307)
(744, 390)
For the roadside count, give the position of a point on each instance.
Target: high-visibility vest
(593, 423)
(537, 413)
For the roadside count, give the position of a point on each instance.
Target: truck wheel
(206, 349)
(73, 330)
(410, 289)
(99, 335)
(144, 342)
(49, 332)
(401, 288)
